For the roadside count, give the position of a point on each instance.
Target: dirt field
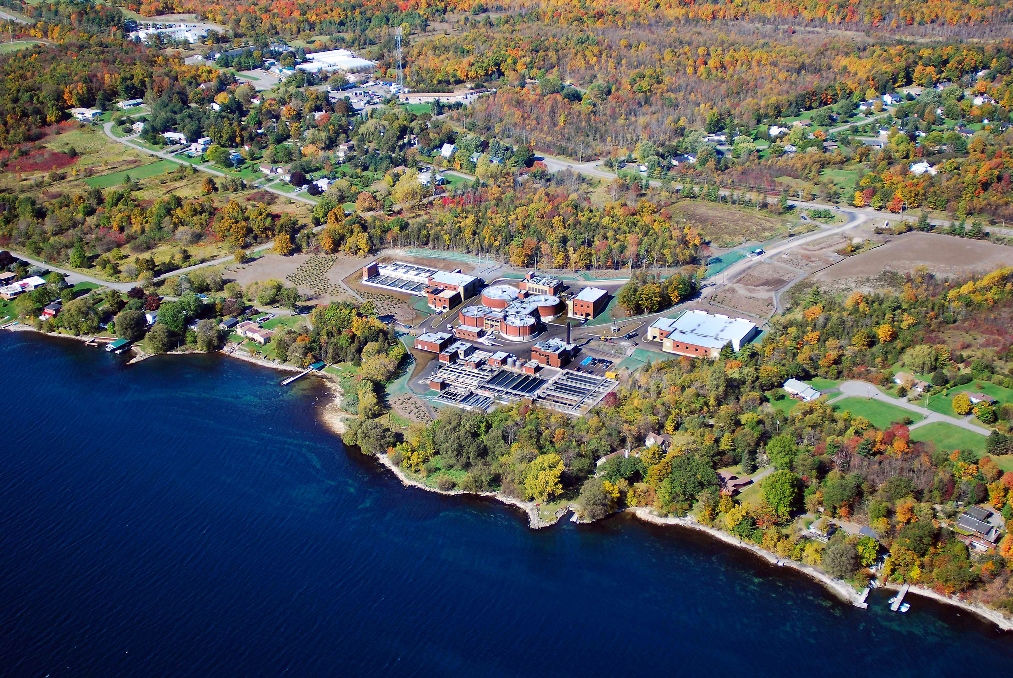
(728, 226)
(319, 277)
(753, 293)
(944, 256)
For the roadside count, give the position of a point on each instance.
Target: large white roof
(591, 294)
(457, 279)
(710, 330)
(334, 60)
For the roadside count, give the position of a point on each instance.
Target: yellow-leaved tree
(962, 404)
(541, 478)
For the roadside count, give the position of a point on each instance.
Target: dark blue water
(189, 516)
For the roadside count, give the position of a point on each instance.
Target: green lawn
(86, 287)
(880, 414)
(8, 47)
(781, 401)
(142, 172)
(842, 177)
(943, 402)
(824, 385)
(949, 437)
(284, 321)
(418, 109)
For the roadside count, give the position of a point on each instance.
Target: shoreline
(984, 613)
(839, 588)
(333, 418)
(535, 521)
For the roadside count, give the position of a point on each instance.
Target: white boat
(905, 607)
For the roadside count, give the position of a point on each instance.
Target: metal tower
(400, 67)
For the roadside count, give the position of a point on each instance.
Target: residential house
(799, 390)
(973, 528)
(662, 440)
(85, 114)
(448, 151)
(254, 332)
(732, 484)
(920, 168)
(51, 310)
(978, 398)
(912, 383)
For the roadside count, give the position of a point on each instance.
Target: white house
(920, 168)
(800, 390)
(448, 150)
(891, 99)
(86, 114)
(151, 317)
(130, 103)
(776, 131)
(174, 137)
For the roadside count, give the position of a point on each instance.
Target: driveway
(863, 389)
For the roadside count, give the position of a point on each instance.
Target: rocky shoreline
(839, 588)
(535, 520)
(333, 417)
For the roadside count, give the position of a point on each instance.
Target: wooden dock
(899, 598)
(288, 381)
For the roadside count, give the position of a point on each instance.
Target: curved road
(126, 141)
(862, 389)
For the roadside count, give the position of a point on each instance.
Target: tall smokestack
(568, 331)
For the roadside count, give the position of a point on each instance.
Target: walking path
(862, 389)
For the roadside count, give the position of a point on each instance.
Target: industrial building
(476, 380)
(588, 304)
(432, 342)
(553, 352)
(335, 60)
(540, 284)
(701, 334)
(443, 289)
(509, 311)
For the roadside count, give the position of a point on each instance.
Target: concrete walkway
(862, 389)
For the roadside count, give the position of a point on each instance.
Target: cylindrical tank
(498, 296)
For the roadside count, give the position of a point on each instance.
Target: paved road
(73, 277)
(862, 389)
(127, 141)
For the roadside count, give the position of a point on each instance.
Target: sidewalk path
(862, 389)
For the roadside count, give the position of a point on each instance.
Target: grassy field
(419, 109)
(842, 177)
(17, 45)
(821, 384)
(880, 414)
(949, 437)
(285, 321)
(142, 172)
(943, 402)
(727, 226)
(781, 401)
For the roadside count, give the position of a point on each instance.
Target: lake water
(189, 516)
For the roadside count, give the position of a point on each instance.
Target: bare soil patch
(746, 301)
(766, 277)
(943, 255)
